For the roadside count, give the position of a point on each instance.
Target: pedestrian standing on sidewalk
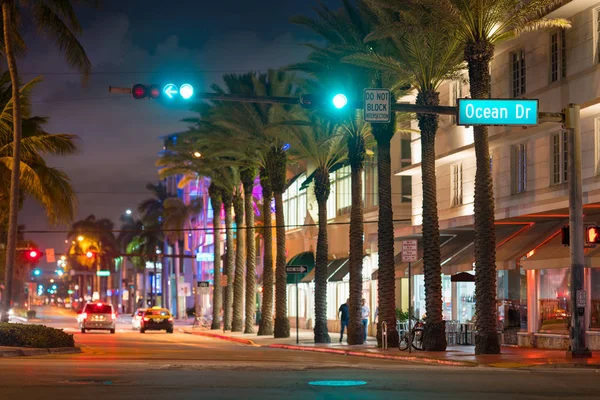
(344, 314)
(365, 311)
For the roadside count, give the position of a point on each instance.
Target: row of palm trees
(401, 45)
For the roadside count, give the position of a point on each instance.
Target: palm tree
(247, 176)
(428, 58)
(265, 327)
(237, 322)
(342, 29)
(94, 235)
(217, 202)
(321, 143)
(59, 21)
(227, 196)
(479, 27)
(177, 219)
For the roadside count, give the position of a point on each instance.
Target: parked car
(97, 316)
(136, 321)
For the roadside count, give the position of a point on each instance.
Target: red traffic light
(139, 91)
(154, 92)
(33, 255)
(592, 235)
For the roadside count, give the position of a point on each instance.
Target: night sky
(150, 41)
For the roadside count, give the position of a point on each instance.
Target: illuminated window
(559, 157)
(456, 185)
(517, 62)
(294, 204)
(558, 55)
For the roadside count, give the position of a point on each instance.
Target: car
(97, 316)
(156, 319)
(138, 315)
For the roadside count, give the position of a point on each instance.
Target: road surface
(155, 365)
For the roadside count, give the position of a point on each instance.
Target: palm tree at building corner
(427, 59)
(265, 327)
(59, 22)
(247, 176)
(237, 322)
(479, 29)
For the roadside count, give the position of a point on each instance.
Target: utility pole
(578, 347)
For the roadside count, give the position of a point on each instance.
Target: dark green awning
(306, 258)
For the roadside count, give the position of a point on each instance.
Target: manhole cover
(337, 383)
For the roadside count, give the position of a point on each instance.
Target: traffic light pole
(578, 347)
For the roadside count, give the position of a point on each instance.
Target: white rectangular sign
(377, 105)
(409, 251)
(581, 298)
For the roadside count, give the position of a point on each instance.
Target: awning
(306, 258)
(462, 277)
(553, 254)
(333, 267)
(342, 270)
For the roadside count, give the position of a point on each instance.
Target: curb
(222, 337)
(376, 355)
(28, 352)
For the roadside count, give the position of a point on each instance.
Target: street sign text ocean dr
(519, 112)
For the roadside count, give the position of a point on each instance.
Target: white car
(97, 316)
(138, 315)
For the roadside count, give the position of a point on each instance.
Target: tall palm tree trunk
(227, 314)
(266, 321)
(282, 322)
(478, 56)
(215, 200)
(237, 324)
(434, 338)
(277, 170)
(248, 176)
(177, 266)
(386, 277)
(356, 150)
(322, 189)
(11, 245)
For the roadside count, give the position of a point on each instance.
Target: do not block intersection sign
(377, 105)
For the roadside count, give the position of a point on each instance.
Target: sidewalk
(511, 357)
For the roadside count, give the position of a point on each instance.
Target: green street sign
(103, 273)
(498, 112)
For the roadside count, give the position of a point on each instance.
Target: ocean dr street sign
(519, 112)
(377, 105)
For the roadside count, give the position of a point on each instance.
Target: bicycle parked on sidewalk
(417, 333)
(201, 322)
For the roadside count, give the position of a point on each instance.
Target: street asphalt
(155, 365)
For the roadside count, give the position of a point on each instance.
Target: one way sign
(296, 269)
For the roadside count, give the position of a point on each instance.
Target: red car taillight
(171, 319)
(146, 319)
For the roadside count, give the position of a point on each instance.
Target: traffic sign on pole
(203, 284)
(377, 105)
(296, 269)
(519, 112)
(409, 251)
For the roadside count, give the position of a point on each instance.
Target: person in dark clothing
(344, 313)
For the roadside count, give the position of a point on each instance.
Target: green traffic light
(37, 272)
(340, 101)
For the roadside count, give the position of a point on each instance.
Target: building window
(331, 201)
(294, 204)
(518, 73)
(597, 137)
(343, 182)
(559, 157)
(405, 160)
(457, 185)
(554, 300)
(519, 168)
(595, 298)
(558, 55)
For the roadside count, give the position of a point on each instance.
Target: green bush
(401, 315)
(40, 336)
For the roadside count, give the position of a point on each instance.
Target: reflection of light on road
(337, 383)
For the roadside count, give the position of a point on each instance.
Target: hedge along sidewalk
(34, 337)
(6, 351)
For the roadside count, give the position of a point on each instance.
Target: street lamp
(128, 212)
(197, 154)
(80, 238)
